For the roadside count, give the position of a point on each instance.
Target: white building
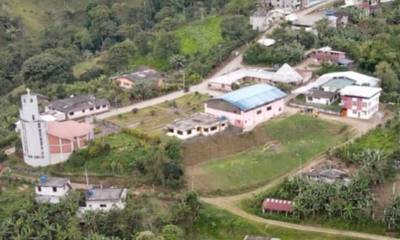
(259, 20)
(33, 128)
(78, 107)
(321, 97)
(360, 101)
(52, 189)
(104, 199)
(199, 124)
(44, 140)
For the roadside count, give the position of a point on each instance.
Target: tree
(147, 235)
(172, 232)
(47, 68)
(119, 55)
(166, 45)
(390, 81)
(128, 31)
(187, 210)
(235, 28)
(144, 42)
(392, 215)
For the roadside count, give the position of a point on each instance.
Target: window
(280, 109)
(223, 125)
(269, 108)
(83, 110)
(97, 107)
(91, 109)
(198, 129)
(180, 132)
(33, 117)
(71, 113)
(31, 100)
(170, 130)
(103, 205)
(54, 189)
(189, 132)
(39, 188)
(205, 129)
(104, 106)
(213, 128)
(259, 112)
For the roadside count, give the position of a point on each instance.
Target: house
(277, 205)
(285, 74)
(359, 101)
(368, 6)
(259, 20)
(327, 54)
(52, 189)
(288, 5)
(199, 124)
(144, 74)
(343, 79)
(248, 106)
(104, 199)
(317, 96)
(46, 141)
(79, 107)
(328, 175)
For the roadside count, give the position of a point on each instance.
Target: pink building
(66, 137)
(249, 106)
(360, 101)
(326, 54)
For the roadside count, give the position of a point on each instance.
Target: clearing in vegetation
(200, 36)
(298, 139)
(153, 119)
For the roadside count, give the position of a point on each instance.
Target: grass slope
(200, 36)
(215, 224)
(153, 119)
(297, 139)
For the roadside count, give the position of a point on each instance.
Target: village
(253, 139)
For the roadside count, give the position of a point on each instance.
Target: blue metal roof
(253, 96)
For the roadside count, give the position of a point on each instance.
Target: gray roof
(316, 93)
(249, 237)
(143, 74)
(76, 103)
(335, 84)
(53, 181)
(105, 194)
(330, 173)
(197, 119)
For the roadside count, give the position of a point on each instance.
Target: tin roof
(45, 181)
(197, 119)
(76, 103)
(105, 194)
(279, 205)
(253, 96)
(360, 91)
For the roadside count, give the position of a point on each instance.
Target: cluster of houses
(53, 190)
(357, 94)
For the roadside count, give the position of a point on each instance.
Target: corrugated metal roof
(253, 96)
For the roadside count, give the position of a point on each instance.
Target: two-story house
(360, 101)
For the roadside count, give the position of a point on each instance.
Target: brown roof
(68, 129)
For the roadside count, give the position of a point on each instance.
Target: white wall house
(199, 124)
(78, 107)
(321, 97)
(359, 101)
(104, 199)
(259, 20)
(52, 189)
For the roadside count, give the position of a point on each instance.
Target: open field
(200, 36)
(215, 224)
(153, 119)
(289, 142)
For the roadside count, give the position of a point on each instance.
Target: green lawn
(153, 119)
(200, 36)
(215, 224)
(295, 139)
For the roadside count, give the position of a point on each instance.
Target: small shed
(277, 205)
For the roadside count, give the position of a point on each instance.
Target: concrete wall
(88, 112)
(48, 191)
(360, 108)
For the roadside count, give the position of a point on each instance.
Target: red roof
(69, 129)
(271, 204)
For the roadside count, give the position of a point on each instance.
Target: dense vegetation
(80, 45)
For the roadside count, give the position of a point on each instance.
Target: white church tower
(33, 132)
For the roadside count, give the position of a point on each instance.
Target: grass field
(200, 36)
(215, 224)
(292, 141)
(153, 119)
(82, 67)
